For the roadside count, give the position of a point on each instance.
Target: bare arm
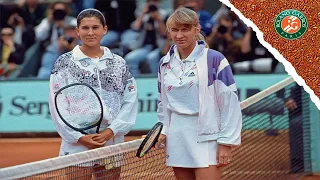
(138, 22)
(161, 26)
(245, 45)
(210, 38)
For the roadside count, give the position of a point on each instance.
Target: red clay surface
(19, 151)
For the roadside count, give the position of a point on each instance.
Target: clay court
(16, 151)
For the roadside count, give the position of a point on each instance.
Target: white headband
(92, 10)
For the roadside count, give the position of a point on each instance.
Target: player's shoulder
(119, 59)
(62, 61)
(214, 55)
(65, 56)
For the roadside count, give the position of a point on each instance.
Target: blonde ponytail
(200, 37)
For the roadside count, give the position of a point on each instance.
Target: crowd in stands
(35, 33)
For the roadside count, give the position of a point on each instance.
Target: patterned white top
(110, 77)
(181, 83)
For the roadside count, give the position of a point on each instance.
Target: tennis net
(275, 145)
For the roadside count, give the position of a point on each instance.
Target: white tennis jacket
(220, 116)
(113, 82)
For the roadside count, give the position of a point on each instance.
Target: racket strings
(79, 106)
(150, 141)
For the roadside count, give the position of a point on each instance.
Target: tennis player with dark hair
(198, 103)
(107, 74)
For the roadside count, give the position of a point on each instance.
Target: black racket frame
(82, 130)
(145, 140)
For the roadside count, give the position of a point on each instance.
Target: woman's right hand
(161, 144)
(10, 43)
(88, 141)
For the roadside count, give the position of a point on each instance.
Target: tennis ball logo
(291, 24)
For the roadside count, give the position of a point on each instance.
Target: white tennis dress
(181, 86)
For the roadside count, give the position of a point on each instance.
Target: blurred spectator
(4, 15)
(119, 16)
(154, 57)
(294, 106)
(223, 38)
(24, 19)
(11, 53)
(49, 32)
(66, 42)
(70, 38)
(255, 57)
(16, 21)
(239, 28)
(152, 28)
(33, 12)
(204, 16)
(80, 5)
(223, 10)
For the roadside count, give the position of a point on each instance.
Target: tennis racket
(149, 140)
(79, 107)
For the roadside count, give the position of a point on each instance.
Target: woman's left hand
(161, 144)
(223, 155)
(105, 136)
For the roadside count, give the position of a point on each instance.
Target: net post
(315, 137)
(306, 125)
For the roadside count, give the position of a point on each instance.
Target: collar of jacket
(167, 57)
(78, 54)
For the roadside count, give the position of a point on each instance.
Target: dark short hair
(91, 13)
(8, 26)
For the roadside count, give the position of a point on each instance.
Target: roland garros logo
(291, 24)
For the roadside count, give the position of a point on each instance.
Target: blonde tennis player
(109, 75)
(198, 103)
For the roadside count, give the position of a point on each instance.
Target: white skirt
(182, 149)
